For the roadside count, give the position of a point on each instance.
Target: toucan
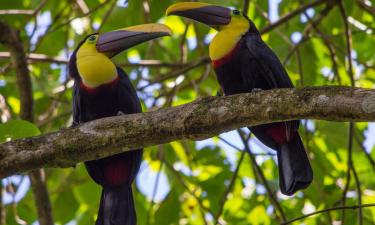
(244, 63)
(101, 89)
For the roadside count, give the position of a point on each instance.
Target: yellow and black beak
(211, 15)
(114, 42)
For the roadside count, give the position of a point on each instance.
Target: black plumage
(253, 65)
(115, 173)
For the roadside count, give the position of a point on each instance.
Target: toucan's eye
(236, 12)
(92, 39)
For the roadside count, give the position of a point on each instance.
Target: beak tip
(169, 32)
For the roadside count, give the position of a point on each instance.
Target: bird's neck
(228, 57)
(96, 70)
(226, 41)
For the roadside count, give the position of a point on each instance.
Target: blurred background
(213, 181)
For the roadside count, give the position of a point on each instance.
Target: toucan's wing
(267, 65)
(268, 62)
(129, 103)
(128, 99)
(76, 105)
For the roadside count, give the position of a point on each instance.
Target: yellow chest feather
(227, 38)
(95, 68)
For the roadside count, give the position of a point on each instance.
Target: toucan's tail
(117, 206)
(294, 166)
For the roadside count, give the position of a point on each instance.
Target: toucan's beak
(114, 42)
(210, 15)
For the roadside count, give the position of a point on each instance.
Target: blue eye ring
(91, 39)
(236, 12)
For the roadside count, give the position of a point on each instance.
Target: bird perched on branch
(101, 90)
(244, 63)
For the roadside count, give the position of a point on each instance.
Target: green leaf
(15, 129)
(67, 206)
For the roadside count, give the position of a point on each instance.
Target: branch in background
(291, 15)
(328, 210)
(368, 154)
(176, 73)
(99, 6)
(28, 12)
(191, 192)
(363, 5)
(42, 201)
(11, 39)
(229, 188)
(203, 118)
(2, 208)
(262, 177)
(331, 48)
(245, 6)
(106, 16)
(150, 211)
(82, 6)
(312, 24)
(351, 166)
(36, 57)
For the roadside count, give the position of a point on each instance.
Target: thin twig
(291, 15)
(80, 16)
(106, 16)
(82, 6)
(177, 73)
(229, 188)
(348, 39)
(307, 31)
(156, 185)
(13, 192)
(261, 176)
(240, 150)
(245, 6)
(56, 18)
(370, 9)
(351, 166)
(328, 210)
(368, 155)
(42, 58)
(2, 208)
(182, 182)
(359, 193)
(28, 12)
(331, 49)
(183, 47)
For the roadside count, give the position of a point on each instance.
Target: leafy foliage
(198, 174)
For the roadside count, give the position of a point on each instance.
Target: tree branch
(198, 120)
(11, 39)
(245, 6)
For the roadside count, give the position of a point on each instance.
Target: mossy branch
(203, 118)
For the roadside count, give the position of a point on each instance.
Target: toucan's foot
(256, 90)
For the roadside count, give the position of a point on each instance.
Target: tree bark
(198, 120)
(11, 39)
